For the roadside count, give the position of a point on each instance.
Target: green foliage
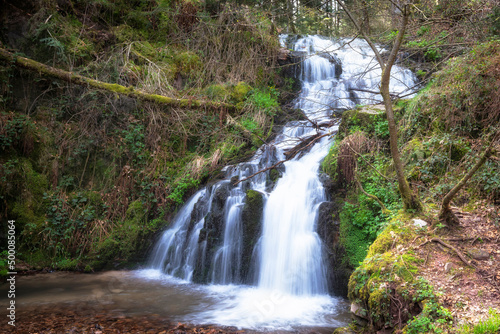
(489, 326)
(382, 129)
(265, 100)
(487, 179)
(494, 18)
(17, 131)
(182, 187)
(362, 220)
(434, 318)
(89, 176)
(67, 220)
(423, 30)
(4, 268)
(457, 100)
(134, 140)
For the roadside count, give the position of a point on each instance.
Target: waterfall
(216, 238)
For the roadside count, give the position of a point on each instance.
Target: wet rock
(251, 220)
(327, 183)
(332, 58)
(344, 330)
(329, 231)
(478, 254)
(212, 233)
(272, 177)
(235, 179)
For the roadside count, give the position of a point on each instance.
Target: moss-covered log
(74, 78)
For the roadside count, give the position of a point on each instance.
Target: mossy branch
(74, 78)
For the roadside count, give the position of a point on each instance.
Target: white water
(287, 262)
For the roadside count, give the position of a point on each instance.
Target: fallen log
(74, 78)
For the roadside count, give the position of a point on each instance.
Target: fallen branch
(304, 142)
(74, 78)
(291, 156)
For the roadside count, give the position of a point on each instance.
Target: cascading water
(278, 251)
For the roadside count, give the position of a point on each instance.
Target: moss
(135, 212)
(240, 92)
(124, 33)
(414, 151)
(217, 92)
(30, 185)
(385, 240)
(274, 175)
(363, 118)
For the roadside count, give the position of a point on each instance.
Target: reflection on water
(148, 292)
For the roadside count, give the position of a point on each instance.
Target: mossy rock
(274, 175)
(251, 219)
(363, 119)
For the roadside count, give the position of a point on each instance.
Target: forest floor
(467, 290)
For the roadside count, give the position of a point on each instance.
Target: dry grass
(349, 149)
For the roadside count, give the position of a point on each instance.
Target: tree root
(460, 255)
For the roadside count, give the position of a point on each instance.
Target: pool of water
(148, 292)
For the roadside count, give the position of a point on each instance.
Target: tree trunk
(113, 88)
(446, 215)
(410, 201)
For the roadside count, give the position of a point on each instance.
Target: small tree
(446, 215)
(410, 200)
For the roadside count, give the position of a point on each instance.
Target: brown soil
(468, 291)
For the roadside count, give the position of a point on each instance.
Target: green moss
(274, 175)
(217, 92)
(364, 118)
(240, 92)
(126, 34)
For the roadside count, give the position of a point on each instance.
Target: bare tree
(410, 200)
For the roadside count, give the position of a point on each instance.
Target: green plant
(382, 129)
(4, 269)
(489, 326)
(186, 183)
(434, 318)
(265, 100)
(423, 30)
